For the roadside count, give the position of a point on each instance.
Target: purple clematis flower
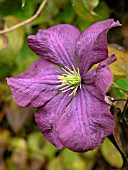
(72, 109)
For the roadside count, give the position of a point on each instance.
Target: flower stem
(125, 107)
(122, 100)
(116, 100)
(26, 21)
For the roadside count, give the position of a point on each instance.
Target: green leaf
(64, 15)
(5, 69)
(91, 3)
(35, 140)
(121, 83)
(25, 58)
(28, 9)
(49, 150)
(72, 161)
(61, 3)
(4, 136)
(48, 16)
(39, 147)
(91, 158)
(119, 93)
(85, 9)
(13, 44)
(23, 3)
(111, 154)
(81, 24)
(8, 7)
(102, 10)
(55, 164)
(18, 147)
(18, 143)
(120, 67)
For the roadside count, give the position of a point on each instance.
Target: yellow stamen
(71, 80)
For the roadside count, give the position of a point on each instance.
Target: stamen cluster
(71, 80)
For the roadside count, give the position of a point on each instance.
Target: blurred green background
(22, 146)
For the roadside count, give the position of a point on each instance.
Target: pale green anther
(71, 80)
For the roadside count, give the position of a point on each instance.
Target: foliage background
(22, 146)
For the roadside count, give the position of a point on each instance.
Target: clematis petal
(56, 44)
(104, 76)
(47, 117)
(89, 77)
(85, 123)
(37, 85)
(100, 79)
(91, 46)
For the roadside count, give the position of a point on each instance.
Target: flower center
(71, 80)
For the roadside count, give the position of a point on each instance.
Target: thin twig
(26, 21)
(114, 101)
(125, 107)
(119, 88)
(118, 100)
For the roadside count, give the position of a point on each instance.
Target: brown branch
(26, 21)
